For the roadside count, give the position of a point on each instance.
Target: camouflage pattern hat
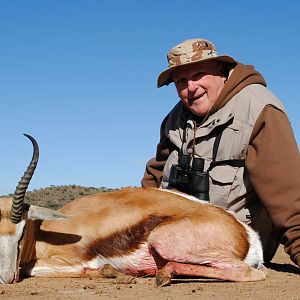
(190, 52)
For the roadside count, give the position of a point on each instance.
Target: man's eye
(198, 75)
(181, 81)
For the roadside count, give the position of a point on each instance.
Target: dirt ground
(283, 282)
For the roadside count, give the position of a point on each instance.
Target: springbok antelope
(136, 231)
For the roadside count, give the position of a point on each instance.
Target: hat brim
(165, 77)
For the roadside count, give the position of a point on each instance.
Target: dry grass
(55, 197)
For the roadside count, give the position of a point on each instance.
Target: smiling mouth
(191, 100)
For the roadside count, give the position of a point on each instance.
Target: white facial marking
(9, 245)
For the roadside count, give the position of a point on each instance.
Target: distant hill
(57, 196)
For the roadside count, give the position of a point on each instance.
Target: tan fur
(7, 227)
(98, 221)
(99, 216)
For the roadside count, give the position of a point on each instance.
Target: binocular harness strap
(231, 162)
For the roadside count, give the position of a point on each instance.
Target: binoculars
(190, 179)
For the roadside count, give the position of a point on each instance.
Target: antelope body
(137, 231)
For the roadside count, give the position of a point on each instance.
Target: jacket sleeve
(273, 163)
(154, 168)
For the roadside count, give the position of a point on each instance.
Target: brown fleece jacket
(273, 162)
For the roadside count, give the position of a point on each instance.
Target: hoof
(161, 280)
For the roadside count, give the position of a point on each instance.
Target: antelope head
(16, 232)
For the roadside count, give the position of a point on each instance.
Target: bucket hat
(188, 52)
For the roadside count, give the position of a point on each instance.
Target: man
(228, 118)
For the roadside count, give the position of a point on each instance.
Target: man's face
(199, 85)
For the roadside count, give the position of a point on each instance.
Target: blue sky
(80, 76)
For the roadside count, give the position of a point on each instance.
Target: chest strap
(231, 162)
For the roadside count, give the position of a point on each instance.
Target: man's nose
(192, 86)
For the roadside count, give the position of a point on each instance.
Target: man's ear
(43, 213)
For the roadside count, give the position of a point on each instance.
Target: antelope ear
(42, 213)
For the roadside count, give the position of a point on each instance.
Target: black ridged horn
(19, 195)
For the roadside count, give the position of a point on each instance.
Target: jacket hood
(241, 76)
